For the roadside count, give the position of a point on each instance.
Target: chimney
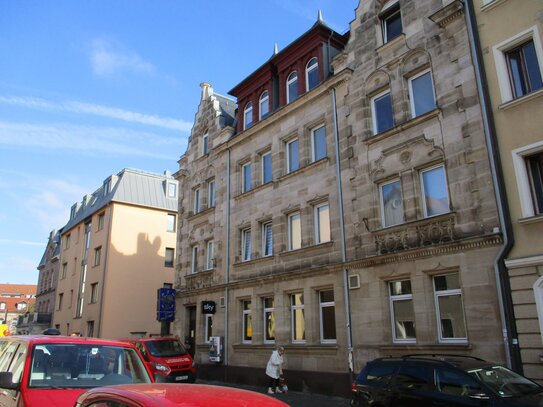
(207, 90)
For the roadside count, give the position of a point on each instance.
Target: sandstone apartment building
(117, 250)
(343, 207)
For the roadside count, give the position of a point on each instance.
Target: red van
(45, 370)
(167, 359)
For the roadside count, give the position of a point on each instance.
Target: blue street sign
(165, 305)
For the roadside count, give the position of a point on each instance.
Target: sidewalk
(293, 398)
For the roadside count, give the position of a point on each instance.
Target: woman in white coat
(274, 370)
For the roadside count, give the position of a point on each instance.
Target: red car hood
(51, 397)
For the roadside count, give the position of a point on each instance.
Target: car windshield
(164, 348)
(85, 365)
(505, 382)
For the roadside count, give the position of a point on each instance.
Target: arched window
(248, 116)
(292, 87)
(264, 108)
(312, 74)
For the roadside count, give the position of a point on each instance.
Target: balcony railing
(34, 317)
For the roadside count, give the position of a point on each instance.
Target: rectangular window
(449, 309)
(246, 177)
(266, 168)
(318, 143)
(267, 239)
(67, 242)
(391, 203)
(381, 111)
(210, 261)
(421, 93)
(293, 162)
(211, 194)
(208, 327)
(322, 223)
(534, 164)
(294, 231)
(97, 256)
(247, 322)
(205, 144)
(327, 308)
(196, 201)
(94, 293)
(170, 255)
(194, 267)
(90, 329)
(297, 317)
(171, 223)
(269, 320)
(524, 70)
(434, 190)
(60, 299)
(101, 218)
(246, 244)
(64, 270)
(391, 21)
(172, 190)
(401, 311)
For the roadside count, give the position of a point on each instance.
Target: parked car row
(61, 371)
(442, 380)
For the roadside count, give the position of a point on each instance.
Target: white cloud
(89, 140)
(20, 242)
(109, 57)
(98, 110)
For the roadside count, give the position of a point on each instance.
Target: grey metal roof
(54, 239)
(129, 186)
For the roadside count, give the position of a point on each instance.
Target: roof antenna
(319, 17)
(275, 49)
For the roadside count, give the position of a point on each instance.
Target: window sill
(531, 219)
(492, 4)
(308, 249)
(253, 261)
(521, 100)
(254, 190)
(401, 348)
(304, 169)
(384, 47)
(193, 215)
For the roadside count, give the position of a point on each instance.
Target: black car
(442, 380)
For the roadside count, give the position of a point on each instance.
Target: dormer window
(205, 144)
(107, 186)
(172, 190)
(391, 20)
(248, 116)
(72, 211)
(292, 87)
(312, 74)
(264, 105)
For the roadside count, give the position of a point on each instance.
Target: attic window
(391, 20)
(264, 105)
(248, 116)
(292, 87)
(172, 190)
(205, 144)
(107, 186)
(312, 74)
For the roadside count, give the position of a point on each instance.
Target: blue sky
(88, 88)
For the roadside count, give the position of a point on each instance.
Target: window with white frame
(297, 317)
(449, 308)
(312, 74)
(538, 293)
(172, 190)
(327, 308)
(247, 321)
(211, 194)
(421, 93)
(208, 332)
(434, 191)
(246, 244)
(293, 162)
(294, 231)
(264, 105)
(248, 116)
(381, 112)
(210, 261)
(391, 203)
(205, 144)
(246, 177)
(169, 257)
(519, 64)
(267, 239)
(269, 319)
(194, 265)
(266, 160)
(322, 223)
(196, 200)
(318, 143)
(170, 226)
(292, 87)
(402, 314)
(528, 164)
(391, 20)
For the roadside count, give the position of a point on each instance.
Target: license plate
(179, 378)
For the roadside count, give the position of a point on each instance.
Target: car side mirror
(6, 381)
(479, 396)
